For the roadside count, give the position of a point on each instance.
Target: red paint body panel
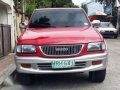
(67, 35)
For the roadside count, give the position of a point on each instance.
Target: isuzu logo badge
(61, 49)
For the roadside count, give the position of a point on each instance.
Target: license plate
(63, 64)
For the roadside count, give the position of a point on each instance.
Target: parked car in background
(107, 29)
(60, 40)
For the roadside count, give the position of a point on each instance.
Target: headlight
(97, 46)
(26, 49)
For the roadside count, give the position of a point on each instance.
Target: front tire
(97, 76)
(25, 79)
(115, 36)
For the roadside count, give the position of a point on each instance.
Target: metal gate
(5, 40)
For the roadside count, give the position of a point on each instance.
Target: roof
(56, 8)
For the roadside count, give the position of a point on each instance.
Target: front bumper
(34, 61)
(108, 32)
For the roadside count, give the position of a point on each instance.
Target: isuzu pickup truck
(60, 40)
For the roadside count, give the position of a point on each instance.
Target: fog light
(96, 62)
(26, 65)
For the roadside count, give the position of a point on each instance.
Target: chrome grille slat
(52, 50)
(70, 49)
(65, 51)
(61, 50)
(73, 49)
(45, 50)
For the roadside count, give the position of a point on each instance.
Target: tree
(61, 3)
(107, 1)
(30, 6)
(43, 3)
(33, 4)
(84, 6)
(54, 3)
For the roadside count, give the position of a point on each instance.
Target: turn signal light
(26, 65)
(96, 62)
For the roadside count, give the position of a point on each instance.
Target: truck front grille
(61, 50)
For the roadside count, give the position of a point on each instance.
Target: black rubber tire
(97, 76)
(25, 79)
(115, 36)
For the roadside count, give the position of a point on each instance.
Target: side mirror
(96, 23)
(22, 26)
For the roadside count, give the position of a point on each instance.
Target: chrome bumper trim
(86, 58)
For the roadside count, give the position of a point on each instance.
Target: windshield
(106, 25)
(58, 18)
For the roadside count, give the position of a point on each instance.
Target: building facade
(7, 17)
(117, 4)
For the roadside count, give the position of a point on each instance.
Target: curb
(7, 72)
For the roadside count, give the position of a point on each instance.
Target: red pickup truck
(60, 40)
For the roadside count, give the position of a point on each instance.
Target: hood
(66, 35)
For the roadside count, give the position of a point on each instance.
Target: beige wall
(3, 15)
(18, 20)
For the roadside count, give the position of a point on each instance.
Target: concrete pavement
(7, 66)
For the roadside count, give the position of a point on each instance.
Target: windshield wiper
(41, 25)
(67, 26)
